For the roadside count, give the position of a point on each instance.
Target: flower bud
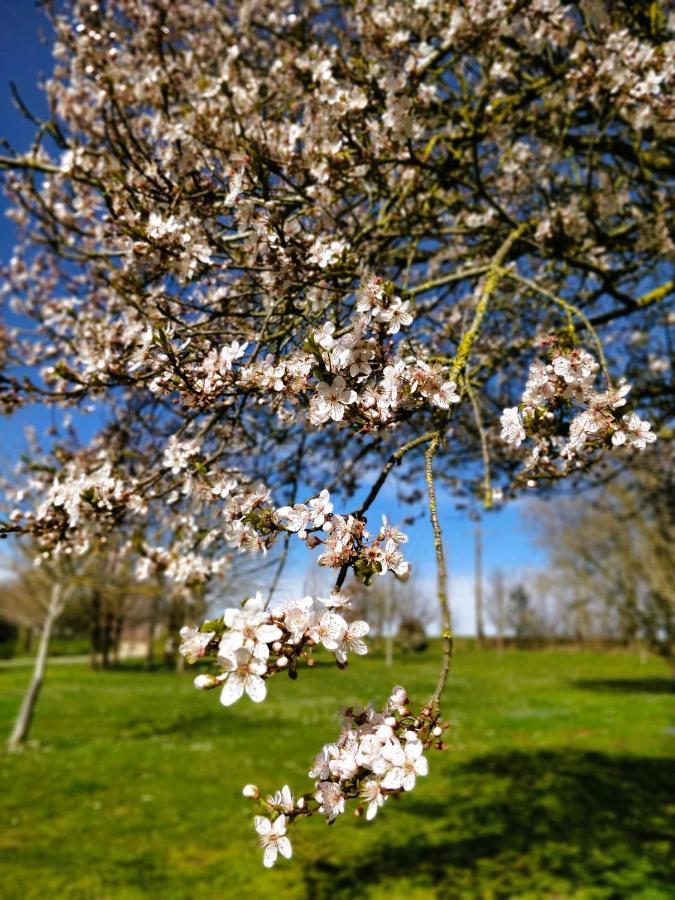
(276, 646)
(250, 790)
(204, 682)
(282, 662)
(438, 731)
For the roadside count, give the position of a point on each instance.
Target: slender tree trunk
(95, 629)
(174, 622)
(24, 719)
(152, 628)
(118, 628)
(389, 637)
(107, 638)
(26, 640)
(501, 617)
(478, 586)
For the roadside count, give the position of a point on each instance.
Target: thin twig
(441, 574)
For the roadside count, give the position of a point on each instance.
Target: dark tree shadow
(627, 685)
(539, 824)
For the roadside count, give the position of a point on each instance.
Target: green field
(559, 782)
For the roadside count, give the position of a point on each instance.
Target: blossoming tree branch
(286, 248)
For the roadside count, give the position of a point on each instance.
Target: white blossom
(194, 643)
(243, 675)
(273, 839)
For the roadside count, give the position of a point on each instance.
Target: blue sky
(507, 543)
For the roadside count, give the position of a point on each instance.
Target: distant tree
(412, 635)
(34, 598)
(496, 605)
(610, 555)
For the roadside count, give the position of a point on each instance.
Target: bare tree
(34, 598)
(478, 584)
(611, 561)
(496, 605)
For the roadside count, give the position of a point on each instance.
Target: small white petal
(285, 848)
(422, 766)
(267, 634)
(232, 690)
(255, 688)
(393, 780)
(257, 666)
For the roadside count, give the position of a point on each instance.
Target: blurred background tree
(611, 566)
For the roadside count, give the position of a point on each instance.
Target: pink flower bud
(250, 790)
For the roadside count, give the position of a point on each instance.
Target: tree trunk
(152, 628)
(478, 586)
(94, 628)
(23, 721)
(501, 618)
(26, 640)
(174, 622)
(107, 638)
(118, 628)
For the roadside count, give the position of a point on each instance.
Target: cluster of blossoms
(252, 643)
(362, 378)
(251, 524)
(347, 543)
(377, 755)
(353, 375)
(70, 511)
(567, 382)
(181, 238)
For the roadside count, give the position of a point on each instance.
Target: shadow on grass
(526, 824)
(627, 685)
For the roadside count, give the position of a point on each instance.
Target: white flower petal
(267, 634)
(232, 690)
(261, 652)
(393, 780)
(255, 688)
(285, 848)
(422, 766)
(257, 666)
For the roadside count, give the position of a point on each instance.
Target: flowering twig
(441, 574)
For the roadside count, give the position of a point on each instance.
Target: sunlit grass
(558, 783)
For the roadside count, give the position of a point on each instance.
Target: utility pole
(389, 625)
(478, 584)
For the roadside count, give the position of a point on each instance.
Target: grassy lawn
(559, 782)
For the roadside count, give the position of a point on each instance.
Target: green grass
(559, 782)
